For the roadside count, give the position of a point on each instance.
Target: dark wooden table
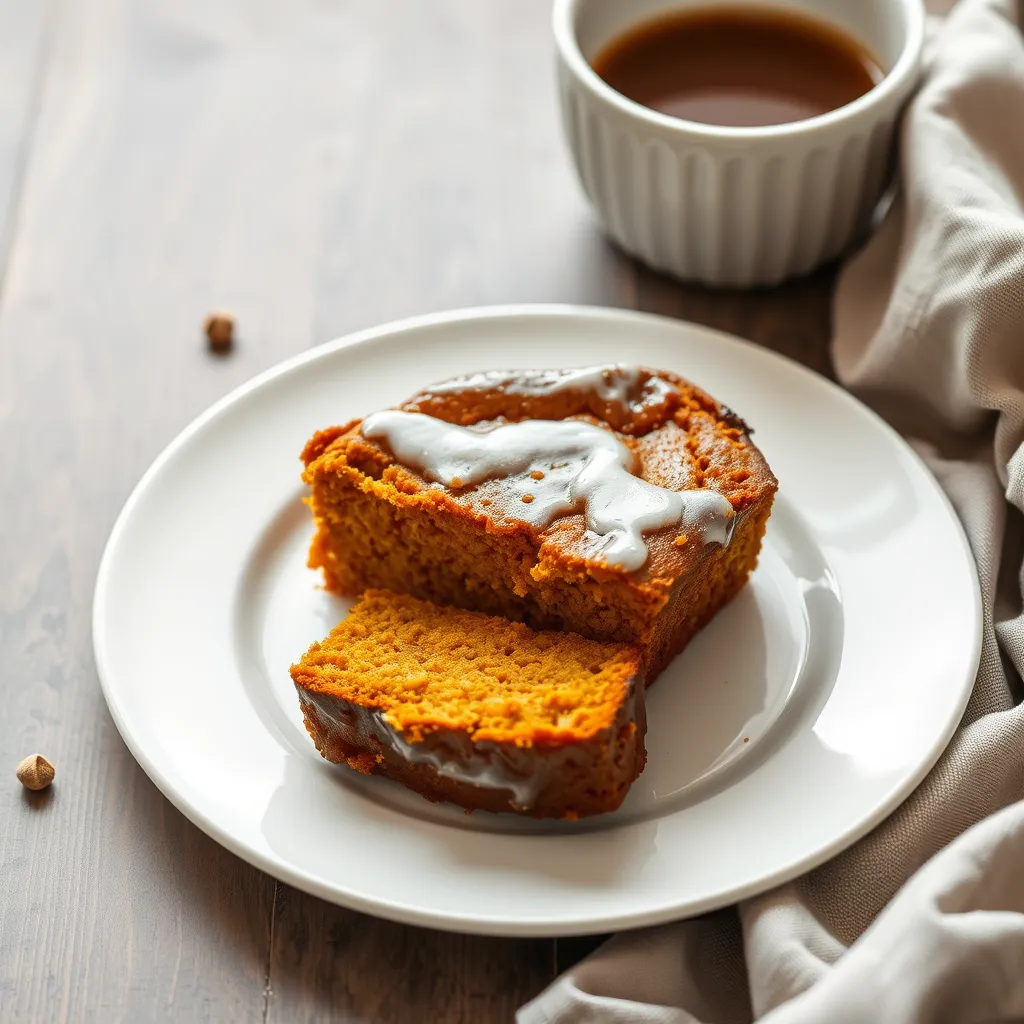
(314, 167)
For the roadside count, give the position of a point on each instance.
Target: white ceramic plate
(794, 723)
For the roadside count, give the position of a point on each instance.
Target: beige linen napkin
(929, 330)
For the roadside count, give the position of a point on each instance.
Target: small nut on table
(220, 332)
(35, 772)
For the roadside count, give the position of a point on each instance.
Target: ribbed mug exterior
(728, 207)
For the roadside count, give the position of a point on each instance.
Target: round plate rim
(281, 869)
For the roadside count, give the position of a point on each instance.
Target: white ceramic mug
(724, 205)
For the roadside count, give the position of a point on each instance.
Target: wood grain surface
(313, 167)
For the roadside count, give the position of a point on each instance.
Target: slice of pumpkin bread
(476, 710)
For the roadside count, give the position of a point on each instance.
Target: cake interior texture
(481, 711)
(381, 524)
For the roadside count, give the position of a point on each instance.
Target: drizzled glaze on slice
(614, 382)
(558, 467)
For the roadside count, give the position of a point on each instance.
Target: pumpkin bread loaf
(543, 541)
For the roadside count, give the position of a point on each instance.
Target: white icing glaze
(479, 768)
(613, 382)
(584, 469)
